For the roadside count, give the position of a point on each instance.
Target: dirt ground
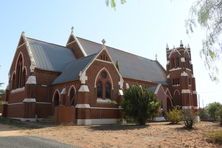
(114, 136)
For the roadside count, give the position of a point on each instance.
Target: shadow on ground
(23, 124)
(117, 127)
(183, 128)
(31, 142)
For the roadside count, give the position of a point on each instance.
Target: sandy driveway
(6, 130)
(155, 135)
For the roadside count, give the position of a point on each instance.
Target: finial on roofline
(167, 47)
(23, 33)
(181, 43)
(103, 41)
(156, 57)
(72, 30)
(188, 46)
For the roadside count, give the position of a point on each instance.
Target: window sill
(106, 101)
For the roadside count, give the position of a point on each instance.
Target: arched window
(19, 72)
(20, 76)
(13, 81)
(177, 98)
(104, 85)
(108, 90)
(56, 98)
(177, 62)
(23, 77)
(72, 95)
(99, 89)
(172, 63)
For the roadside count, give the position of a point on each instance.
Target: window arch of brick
(176, 92)
(103, 84)
(13, 81)
(24, 75)
(98, 74)
(72, 95)
(176, 97)
(175, 62)
(56, 98)
(20, 72)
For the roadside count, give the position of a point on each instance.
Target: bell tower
(180, 77)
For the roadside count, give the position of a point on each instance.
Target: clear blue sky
(142, 27)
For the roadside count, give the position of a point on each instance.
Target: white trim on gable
(158, 87)
(104, 49)
(104, 61)
(33, 63)
(167, 90)
(186, 51)
(80, 46)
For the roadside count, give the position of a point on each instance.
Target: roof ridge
(116, 49)
(47, 42)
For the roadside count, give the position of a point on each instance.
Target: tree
(139, 104)
(208, 14)
(213, 110)
(112, 3)
(220, 114)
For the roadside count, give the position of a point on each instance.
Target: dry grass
(215, 136)
(154, 135)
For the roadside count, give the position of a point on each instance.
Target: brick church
(84, 81)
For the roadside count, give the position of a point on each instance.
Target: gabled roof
(48, 56)
(52, 57)
(71, 71)
(152, 89)
(130, 65)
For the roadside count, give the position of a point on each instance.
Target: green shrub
(139, 104)
(203, 114)
(189, 118)
(213, 110)
(174, 116)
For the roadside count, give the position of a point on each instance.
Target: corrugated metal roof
(71, 72)
(130, 65)
(50, 56)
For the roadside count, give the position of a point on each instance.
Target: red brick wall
(92, 72)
